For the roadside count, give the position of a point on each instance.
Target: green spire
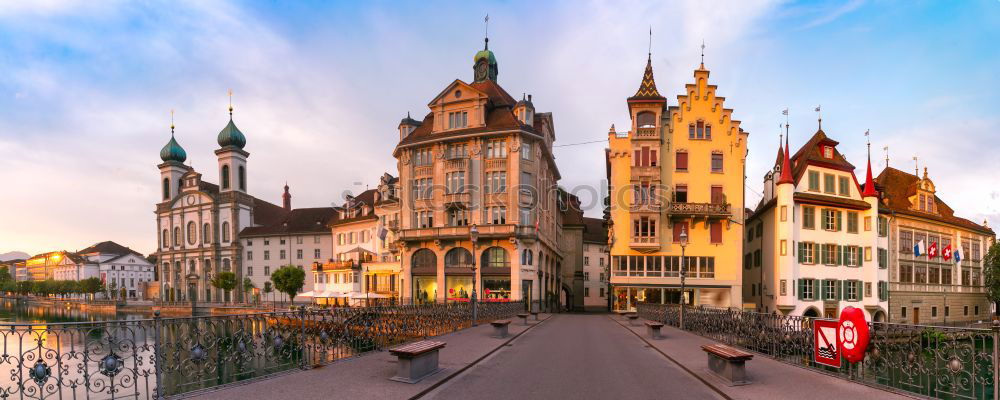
(231, 135)
(173, 151)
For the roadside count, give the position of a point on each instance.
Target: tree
(224, 280)
(91, 286)
(112, 289)
(5, 274)
(248, 287)
(991, 275)
(268, 288)
(289, 280)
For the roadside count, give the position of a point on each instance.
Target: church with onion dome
(199, 222)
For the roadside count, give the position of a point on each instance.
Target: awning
(305, 294)
(370, 296)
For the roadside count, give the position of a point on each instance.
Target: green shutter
(861, 290)
(861, 256)
(801, 253)
(816, 254)
(840, 255)
(801, 285)
(840, 219)
(822, 289)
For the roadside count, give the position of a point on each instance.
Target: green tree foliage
(224, 280)
(991, 274)
(248, 287)
(5, 275)
(289, 280)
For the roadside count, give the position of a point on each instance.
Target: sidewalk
(367, 377)
(770, 379)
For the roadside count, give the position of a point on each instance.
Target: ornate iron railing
(161, 357)
(938, 362)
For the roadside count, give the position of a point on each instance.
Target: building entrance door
(526, 293)
(916, 315)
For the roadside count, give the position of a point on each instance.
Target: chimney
(286, 199)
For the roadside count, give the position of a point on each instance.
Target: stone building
(943, 284)
(810, 242)
(198, 223)
(479, 163)
(596, 265)
(679, 170)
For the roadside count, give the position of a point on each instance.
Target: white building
(199, 222)
(595, 265)
(120, 266)
(301, 238)
(812, 240)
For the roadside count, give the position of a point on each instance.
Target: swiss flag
(946, 252)
(932, 251)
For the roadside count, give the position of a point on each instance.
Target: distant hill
(14, 255)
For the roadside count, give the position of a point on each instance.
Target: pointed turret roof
(781, 155)
(786, 166)
(647, 89)
(869, 182)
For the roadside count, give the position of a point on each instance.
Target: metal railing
(933, 361)
(160, 357)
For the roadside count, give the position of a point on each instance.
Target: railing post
(302, 337)
(157, 355)
(996, 354)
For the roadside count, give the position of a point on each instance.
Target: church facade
(198, 222)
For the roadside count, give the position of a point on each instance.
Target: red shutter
(716, 232)
(652, 158)
(645, 156)
(677, 231)
(717, 194)
(638, 158)
(682, 161)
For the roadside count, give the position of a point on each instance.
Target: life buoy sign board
(854, 335)
(826, 343)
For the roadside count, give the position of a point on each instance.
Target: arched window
(423, 258)
(177, 236)
(495, 257)
(526, 257)
(458, 257)
(166, 238)
(192, 232)
(166, 188)
(206, 234)
(242, 176)
(645, 119)
(225, 232)
(225, 176)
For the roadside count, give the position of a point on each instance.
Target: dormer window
(828, 152)
(458, 120)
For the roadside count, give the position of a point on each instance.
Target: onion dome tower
(232, 157)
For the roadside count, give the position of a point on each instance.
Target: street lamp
(474, 237)
(684, 242)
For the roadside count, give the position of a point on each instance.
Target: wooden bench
(632, 317)
(728, 363)
(535, 314)
(417, 360)
(653, 330)
(500, 328)
(524, 318)
(622, 313)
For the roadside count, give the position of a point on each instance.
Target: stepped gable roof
(897, 187)
(299, 220)
(594, 231)
(812, 153)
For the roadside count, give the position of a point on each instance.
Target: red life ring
(854, 334)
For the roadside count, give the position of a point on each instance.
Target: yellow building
(679, 169)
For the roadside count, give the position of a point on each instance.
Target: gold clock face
(481, 70)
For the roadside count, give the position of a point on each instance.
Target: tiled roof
(811, 153)
(365, 198)
(897, 186)
(107, 247)
(297, 221)
(822, 199)
(594, 231)
(647, 88)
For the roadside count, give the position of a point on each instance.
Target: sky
(86, 90)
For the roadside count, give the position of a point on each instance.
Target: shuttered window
(682, 161)
(716, 228)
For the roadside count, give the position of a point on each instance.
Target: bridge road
(575, 356)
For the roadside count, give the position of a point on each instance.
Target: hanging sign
(826, 343)
(853, 332)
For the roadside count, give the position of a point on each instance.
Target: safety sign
(826, 343)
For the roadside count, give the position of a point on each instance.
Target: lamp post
(474, 237)
(684, 240)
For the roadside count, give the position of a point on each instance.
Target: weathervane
(486, 32)
(916, 166)
(819, 118)
(703, 53)
(886, 149)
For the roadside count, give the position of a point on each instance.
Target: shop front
(425, 290)
(496, 288)
(626, 297)
(459, 288)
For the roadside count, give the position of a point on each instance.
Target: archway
(878, 316)
(811, 312)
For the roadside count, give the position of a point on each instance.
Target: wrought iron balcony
(456, 232)
(701, 209)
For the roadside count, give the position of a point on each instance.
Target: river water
(13, 311)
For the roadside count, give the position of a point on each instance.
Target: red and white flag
(932, 251)
(946, 252)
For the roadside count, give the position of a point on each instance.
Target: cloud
(830, 15)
